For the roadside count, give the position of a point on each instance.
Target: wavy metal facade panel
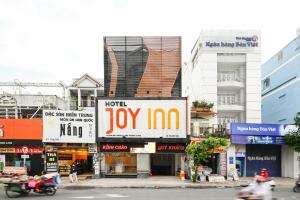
(142, 66)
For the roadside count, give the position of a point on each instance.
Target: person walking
(73, 173)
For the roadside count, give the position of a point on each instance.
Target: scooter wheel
(296, 189)
(50, 191)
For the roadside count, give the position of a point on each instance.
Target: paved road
(150, 194)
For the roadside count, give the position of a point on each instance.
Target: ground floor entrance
(66, 156)
(263, 156)
(22, 153)
(163, 164)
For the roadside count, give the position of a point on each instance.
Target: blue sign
(246, 139)
(252, 129)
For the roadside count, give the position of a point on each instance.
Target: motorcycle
(297, 186)
(271, 182)
(46, 186)
(13, 190)
(248, 196)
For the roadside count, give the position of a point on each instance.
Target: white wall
(289, 162)
(230, 153)
(143, 163)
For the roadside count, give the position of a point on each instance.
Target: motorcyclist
(264, 173)
(259, 190)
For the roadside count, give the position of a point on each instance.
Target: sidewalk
(161, 182)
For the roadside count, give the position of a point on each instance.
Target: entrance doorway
(163, 164)
(67, 156)
(240, 165)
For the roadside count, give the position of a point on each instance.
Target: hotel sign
(142, 118)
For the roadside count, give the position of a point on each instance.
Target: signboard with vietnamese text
(170, 148)
(51, 162)
(22, 150)
(142, 118)
(246, 139)
(68, 126)
(119, 147)
(252, 129)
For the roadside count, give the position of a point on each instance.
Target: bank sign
(237, 42)
(142, 118)
(68, 126)
(250, 133)
(261, 129)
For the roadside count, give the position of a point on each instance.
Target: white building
(225, 69)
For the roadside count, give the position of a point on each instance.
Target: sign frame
(67, 126)
(101, 137)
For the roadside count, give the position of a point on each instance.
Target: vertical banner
(51, 161)
(2, 162)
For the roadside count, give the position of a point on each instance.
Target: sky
(58, 40)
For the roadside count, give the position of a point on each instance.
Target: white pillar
(68, 99)
(143, 165)
(79, 98)
(95, 97)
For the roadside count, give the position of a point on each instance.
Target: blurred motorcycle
(297, 186)
(258, 190)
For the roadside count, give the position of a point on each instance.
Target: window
(266, 83)
(226, 76)
(227, 99)
(226, 119)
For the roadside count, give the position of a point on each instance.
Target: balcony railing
(236, 79)
(83, 103)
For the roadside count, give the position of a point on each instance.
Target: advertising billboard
(142, 118)
(261, 129)
(68, 126)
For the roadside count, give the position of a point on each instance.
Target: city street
(157, 194)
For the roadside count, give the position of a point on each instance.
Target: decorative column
(79, 98)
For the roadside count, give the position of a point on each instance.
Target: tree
(201, 152)
(293, 138)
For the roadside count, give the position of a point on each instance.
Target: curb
(82, 187)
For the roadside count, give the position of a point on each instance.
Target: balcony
(237, 107)
(230, 83)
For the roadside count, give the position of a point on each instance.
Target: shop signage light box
(142, 117)
(68, 126)
(261, 129)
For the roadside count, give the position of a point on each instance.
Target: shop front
(69, 137)
(119, 159)
(131, 141)
(21, 144)
(259, 146)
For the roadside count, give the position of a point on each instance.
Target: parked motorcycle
(297, 186)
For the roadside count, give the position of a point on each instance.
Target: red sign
(25, 149)
(22, 150)
(114, 147)
(170, 148)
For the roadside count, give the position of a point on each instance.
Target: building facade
(142, 67)
(224, 69)
(21, 144)
(280, 96)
